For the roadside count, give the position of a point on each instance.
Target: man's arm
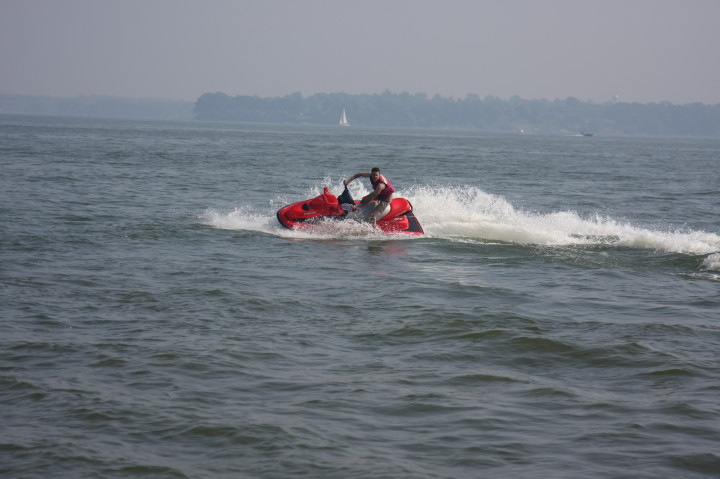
(356, 175)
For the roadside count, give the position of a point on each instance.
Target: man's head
(375, 173)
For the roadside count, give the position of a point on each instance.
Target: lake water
(559, 319)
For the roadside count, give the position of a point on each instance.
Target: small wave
(702, 276)
(709, 269)
(712, 262)
(239, 219)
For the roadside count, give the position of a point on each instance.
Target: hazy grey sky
(641, 50)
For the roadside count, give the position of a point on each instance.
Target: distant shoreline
(568, 116)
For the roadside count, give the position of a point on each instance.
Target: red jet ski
(304, 214)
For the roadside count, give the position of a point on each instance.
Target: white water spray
(469, 213)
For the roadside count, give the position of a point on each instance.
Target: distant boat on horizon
(586, 133)
(343, 119)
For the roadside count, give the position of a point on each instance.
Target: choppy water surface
(559, 318)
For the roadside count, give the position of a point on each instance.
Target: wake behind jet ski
(324, 207)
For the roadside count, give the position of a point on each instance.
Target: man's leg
(381, 209)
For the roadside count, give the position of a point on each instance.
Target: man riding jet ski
(388, 213)
(382, 194)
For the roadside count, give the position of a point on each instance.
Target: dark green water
(558, 320)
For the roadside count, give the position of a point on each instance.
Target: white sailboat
(343, 119)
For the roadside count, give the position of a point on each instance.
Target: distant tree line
(490, 113)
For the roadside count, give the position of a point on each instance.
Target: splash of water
(471, 213)
(712, 262)
(468, 213)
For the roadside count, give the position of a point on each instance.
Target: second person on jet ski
(382, 193)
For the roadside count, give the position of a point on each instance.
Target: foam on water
(469, 213)
(243, 218)
(712, 262)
